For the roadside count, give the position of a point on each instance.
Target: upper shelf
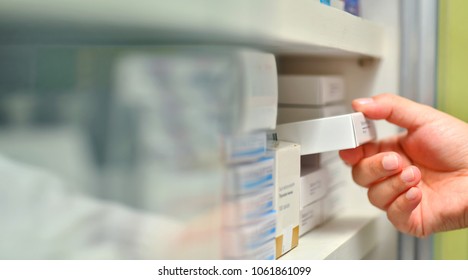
(280, 26)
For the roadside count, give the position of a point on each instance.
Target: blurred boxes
(193, 111)
(259, 88)
(248, 178)
(287, 183)
(247, 209)
(310, 90)
(310, 217)
(265, 251)
(313, 190)
(244, 147)
(352, 7)
(311, 114)
(313, 193)
(246, 241)
(322, 190)
(249, 218)
(337, 174)
(313, 185)
(339, 4)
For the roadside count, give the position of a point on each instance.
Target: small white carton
(311, 217)
(287, 183)
(337, 174)
(310, 89)
(328, 134)
(337, 171)
(333, 202)
(313, 185)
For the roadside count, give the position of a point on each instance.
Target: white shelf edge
(351, 235)
(281, 26)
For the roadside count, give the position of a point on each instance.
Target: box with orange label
(287, 172)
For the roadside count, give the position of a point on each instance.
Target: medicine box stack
(312, 191)
(174, 102)
(249, 215)
(287, 183)
(336, 173)
(308, 115)
(311, 113)
(305, 97)
(249, 218)
(322, 189)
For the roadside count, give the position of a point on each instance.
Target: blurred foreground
(114, 153)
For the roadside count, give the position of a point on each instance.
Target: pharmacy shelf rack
(286, 28)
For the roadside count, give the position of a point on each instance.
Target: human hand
(420, 178)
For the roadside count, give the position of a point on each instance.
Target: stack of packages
(197, 118)
(306, 97)
(249, 218)
(261, 217)
(197, 153)
(250, 214)
(170, 108)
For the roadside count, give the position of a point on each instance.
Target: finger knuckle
(374, 198)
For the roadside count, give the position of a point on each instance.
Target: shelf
(280, 26)
(348, 236)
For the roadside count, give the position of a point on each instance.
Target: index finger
(396, 109)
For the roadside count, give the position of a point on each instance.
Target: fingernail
(364, 101)
(411, 194)
(390, 162)
(407, 175)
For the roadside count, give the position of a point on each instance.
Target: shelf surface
(348, 236)
(280, 26)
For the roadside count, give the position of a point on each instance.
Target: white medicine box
(328, 134)
(313, 185)
(287, 182)
(310, 89)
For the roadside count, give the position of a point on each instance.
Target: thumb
(397, 110)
